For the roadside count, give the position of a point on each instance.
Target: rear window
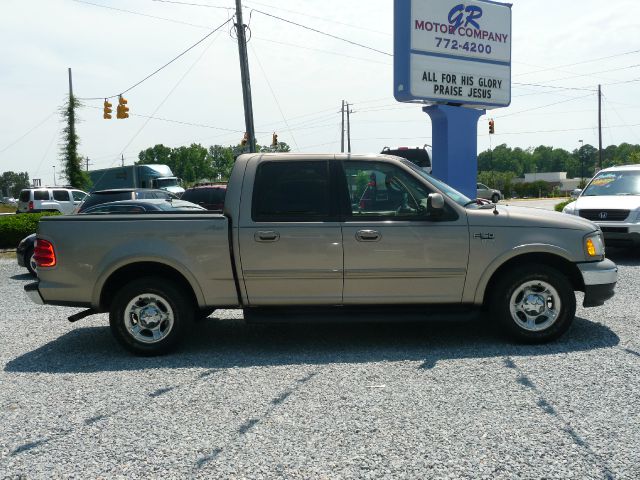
(195, 196)
(41, 194)
(295, 191)
(216, 195)
(24, 195)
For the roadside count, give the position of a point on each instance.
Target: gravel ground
(441, 399)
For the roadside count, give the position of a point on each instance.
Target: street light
(54, 175)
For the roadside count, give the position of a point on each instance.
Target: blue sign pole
(455, 146)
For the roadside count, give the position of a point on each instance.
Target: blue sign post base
(455, 146)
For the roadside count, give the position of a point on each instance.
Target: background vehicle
(612, 201)
(136, 176)
(49, 199)
(420, 156)
(9, 201)
(24, 253)
(210, 197)
(143, 206)
(488, 193)
(116, 194)
(291, 237)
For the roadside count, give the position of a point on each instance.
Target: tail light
(44, 254)
(31, 205)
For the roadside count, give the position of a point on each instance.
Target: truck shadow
(624, 256)
(222, 344)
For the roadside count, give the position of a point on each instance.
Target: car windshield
(452, 193)
(617, 182)
(166, 182)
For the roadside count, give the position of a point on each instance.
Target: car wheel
(534, 303)
(150, 316)
(29, 261)
(495, 198)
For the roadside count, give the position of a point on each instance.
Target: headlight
(594, 246)
(570, 209)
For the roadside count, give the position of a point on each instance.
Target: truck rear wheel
(149, 316)
(534, 303)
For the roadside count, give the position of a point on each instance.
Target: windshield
(452, 193)
(619, 182)
(166, 182)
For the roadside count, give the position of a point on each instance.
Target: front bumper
(31, 289)
(599, 281)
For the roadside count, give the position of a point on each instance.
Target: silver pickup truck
(334, 231)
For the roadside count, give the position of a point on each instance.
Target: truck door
(394, 250)
(290, 240)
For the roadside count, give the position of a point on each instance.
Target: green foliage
(11, 183)
(71, 161)
(561, 205)
(14, 228)
(196, 163)
(580, 162)
(503, 181)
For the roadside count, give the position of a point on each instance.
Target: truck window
(291, 192)
(383, 191)
(41, 194)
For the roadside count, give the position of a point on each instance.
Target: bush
(14, 228)
(561, 205)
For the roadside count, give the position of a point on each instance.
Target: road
(544, 203)
(439, 399)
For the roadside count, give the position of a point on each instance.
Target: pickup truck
(330, 232)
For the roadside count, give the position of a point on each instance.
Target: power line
(142, 14)
(580, 63)
(322, 33)
(164, 66)
(194, 4)
(28, 132)
(544, 106)
(554, 86)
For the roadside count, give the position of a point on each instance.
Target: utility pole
(348, 130)
(87, 164)
(70, 84)
(244, 73)
(599, 128)
(342, 129)
(122, 158)
(581, 162)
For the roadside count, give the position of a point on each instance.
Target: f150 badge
(483, 236)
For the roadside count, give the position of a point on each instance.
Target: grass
(7, 209)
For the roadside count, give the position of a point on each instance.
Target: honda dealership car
(612, 200)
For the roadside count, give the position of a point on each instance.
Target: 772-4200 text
(472, 47)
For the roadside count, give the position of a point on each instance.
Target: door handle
(266, 236)
(368, 236)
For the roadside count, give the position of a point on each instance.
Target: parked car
(24, 253)
(291, 237)
(488, 193)
(210, 197)
(420, 156)
(116, 194)
(612, 201)
(9, 201)
(155, 205)
(49, 199)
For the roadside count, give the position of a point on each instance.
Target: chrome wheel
(33, 264)
(535, 305)
(149, 318)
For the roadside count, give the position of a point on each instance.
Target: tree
(72, 162)
(11, 183)
(221, 160)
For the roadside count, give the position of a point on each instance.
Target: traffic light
(491, 127)
(122, 109)
(107, 110)
(274, 140)
(245, 139)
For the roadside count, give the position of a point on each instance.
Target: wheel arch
(558, 262)
(132, 271)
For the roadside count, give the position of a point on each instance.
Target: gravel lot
(437, 399)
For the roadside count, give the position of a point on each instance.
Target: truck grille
(605, 215)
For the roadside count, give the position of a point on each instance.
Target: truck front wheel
(534, 303)
(149, 316)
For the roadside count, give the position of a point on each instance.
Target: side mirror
(576, 193)
(435, 202)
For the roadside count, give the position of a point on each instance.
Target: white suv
(49, 199)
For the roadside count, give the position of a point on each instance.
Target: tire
(150, 316)
(29, 262)
(534, 303)
(495, 198)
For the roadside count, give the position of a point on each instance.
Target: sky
(561, 51)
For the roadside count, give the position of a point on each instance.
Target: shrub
(561, 205)
(14, 228)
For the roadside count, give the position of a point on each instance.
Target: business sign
(453, 52)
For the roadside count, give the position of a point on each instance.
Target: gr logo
(468, 15)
